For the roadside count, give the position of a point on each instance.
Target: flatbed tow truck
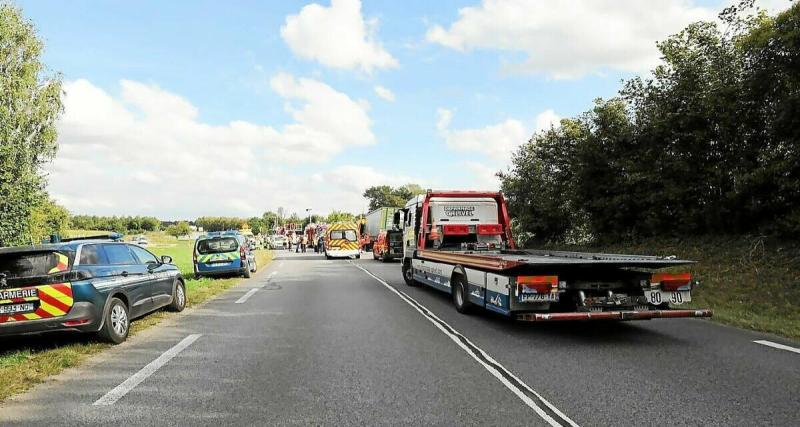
(460, 242)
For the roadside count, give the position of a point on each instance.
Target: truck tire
(408, 274)
(116, 322)
(461, 295)
(247, 272)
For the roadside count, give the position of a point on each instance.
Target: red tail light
(672, 282)
(242, 253)
(456, 230)
(491, 229)
(79, 322)
(537, 284)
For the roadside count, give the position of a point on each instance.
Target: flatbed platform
(508, 259)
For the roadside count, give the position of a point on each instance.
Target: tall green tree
(48, 218)
(180, 229)
(30, 103)
(339, 216)
(387, 196)
(709, 143)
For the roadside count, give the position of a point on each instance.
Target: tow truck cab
(460, 242)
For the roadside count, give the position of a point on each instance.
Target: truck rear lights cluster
(490, 229)
(672, 282)
(456, 230)
(242, 253)
(537, 284)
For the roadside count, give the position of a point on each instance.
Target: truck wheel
(247, 272)
(116, 322)
(460, 295)
(178, 298)
(408, 274)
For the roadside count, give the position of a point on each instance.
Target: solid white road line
(779, 346)
(246, 296)
(121, 390)
(494, 368)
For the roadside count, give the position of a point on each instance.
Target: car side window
(145, 257)
(92, 255)
(119, 254)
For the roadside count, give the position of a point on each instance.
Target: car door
(160, 281)
(131, 276)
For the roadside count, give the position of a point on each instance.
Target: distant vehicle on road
(277, 242)
(141, 241)
(341, 240)
(225, 253)
(86, 286)
(376, 222)
(388, 245)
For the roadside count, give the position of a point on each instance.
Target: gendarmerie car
(88, 285)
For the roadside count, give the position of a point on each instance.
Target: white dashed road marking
(778, 346)
(134, 380)
(244, 297)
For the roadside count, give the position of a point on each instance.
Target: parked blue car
(95, 285)
(223, 253)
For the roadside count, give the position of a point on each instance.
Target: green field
(26, 361)
(751, 283)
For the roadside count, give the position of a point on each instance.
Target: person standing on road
(304, 243)
(296, 244)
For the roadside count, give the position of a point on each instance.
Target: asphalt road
(314, 342)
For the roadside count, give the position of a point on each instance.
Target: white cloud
(384, 93)
(494, 142)
(547, 119)
(146, 152)
(336, 36)
(484, 177)
(571, 38)
(445, 116)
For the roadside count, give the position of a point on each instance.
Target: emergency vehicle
(460, 242)
(223, 253)
(342, 240)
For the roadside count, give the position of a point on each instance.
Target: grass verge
(749, 282)
(28, 360)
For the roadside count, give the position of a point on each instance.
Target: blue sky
(180, 109)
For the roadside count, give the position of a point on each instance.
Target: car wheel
(116, 322)
(408, 274)
(178, 298)
(460, 296)
(358, 256)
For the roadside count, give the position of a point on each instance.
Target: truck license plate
(538, 297)
(672, 297)
(17, 308)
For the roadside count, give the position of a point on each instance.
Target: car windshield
(217, 245)
(343, 235)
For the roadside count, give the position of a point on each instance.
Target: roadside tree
(30, 103)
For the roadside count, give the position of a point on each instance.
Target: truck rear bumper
(613, 315)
